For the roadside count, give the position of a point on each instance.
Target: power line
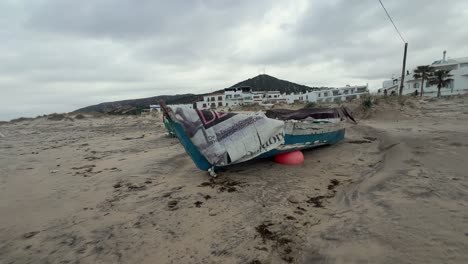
(391, 20)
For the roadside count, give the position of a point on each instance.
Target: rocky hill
(261, 82)
(264, 82)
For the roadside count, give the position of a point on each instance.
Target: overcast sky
(60, 55)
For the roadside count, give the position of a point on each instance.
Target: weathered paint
(292, 143)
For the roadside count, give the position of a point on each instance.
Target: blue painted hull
(292, 143)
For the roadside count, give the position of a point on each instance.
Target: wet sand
(118, 190)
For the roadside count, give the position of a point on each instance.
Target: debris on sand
(316, 201)
(198, 204)
(359, 141)
(389, 146)
(227, 185)
(130, 138)
(84, 167)
(264, 232)
(333, 184)
(281, 242)
(135, 187)
(30, 234)
(91, 158)
(204, 184)
(172, 205)
(261, 248)
(293, 199)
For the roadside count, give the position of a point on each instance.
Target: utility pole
(403, 70)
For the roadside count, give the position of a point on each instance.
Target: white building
(239, 96)
(296, 97)
(258, 97)
(459, 85)
(245, 95)
(188, 106)
(329, 95)
(273, 97)
(156, 108)
(212, 100)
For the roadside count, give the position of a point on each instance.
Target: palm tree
(423, 72)
(441, 78)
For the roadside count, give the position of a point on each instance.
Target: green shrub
(366, 102)
(79, 116)
(56, 117)
(310, 105)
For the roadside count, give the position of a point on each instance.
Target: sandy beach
(117, 189)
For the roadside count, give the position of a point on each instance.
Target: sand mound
(252, 107)
(386, 108)
(56, 117)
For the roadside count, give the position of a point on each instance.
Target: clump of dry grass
(96, 114)
(21, 119)
(80, 116)
(59, 117)
(249, 107)
(56, 117)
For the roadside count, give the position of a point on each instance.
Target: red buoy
(290, 158)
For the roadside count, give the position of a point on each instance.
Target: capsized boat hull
(292, 143)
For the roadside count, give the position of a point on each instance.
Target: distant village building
(188, 106)
(273, 97)
(238, 96)
(459, 85)
(211, 101)
(245, 96)
(156, 108)
(258, 97)
(329, 95)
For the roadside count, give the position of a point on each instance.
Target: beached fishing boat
(169, 127)
(215, 139)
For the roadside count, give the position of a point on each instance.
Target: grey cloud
(340, 21)
(114, 19)
(58, 55)
(127, 19)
